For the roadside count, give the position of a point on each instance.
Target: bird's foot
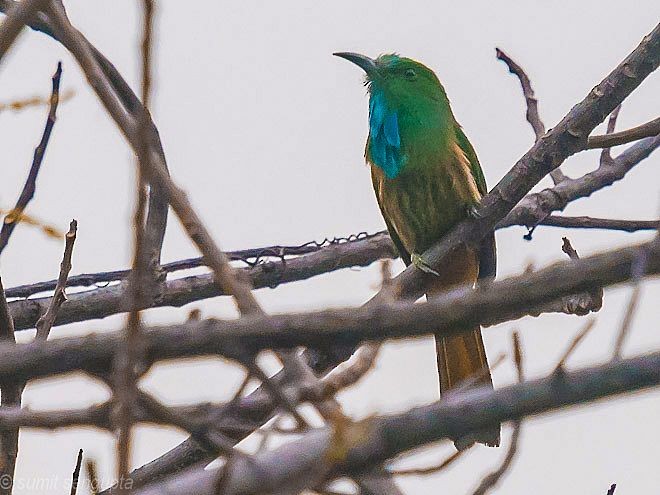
(472, 211)
(421, 263)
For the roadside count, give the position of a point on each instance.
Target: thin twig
(532, 103)
(430, 469)
(532, 113)
(639, 269)
(584, 222)
(606, 152)
(14, 216)
(624, 330)
(362, 360)
(575, 342)
(649, 129)
(45, 323)
(275, 391)
(76, 473)
(139, 293)
(518, 355)
(489, 481)
(207, 435)
(13, 391)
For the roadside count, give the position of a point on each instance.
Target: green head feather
(409, 113)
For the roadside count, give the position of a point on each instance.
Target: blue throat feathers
(384, 139)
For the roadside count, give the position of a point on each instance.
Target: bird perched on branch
(427, 178)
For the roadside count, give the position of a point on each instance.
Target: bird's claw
(472, 211)
(420, 263)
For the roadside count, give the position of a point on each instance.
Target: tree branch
(462, 308)
(14, 216)
(600, 223)
(18, 15)
(535, 207)
(532, 113)
(650, 129)
(107, 301)
(375, 440)
(10, 396)
(45, 322)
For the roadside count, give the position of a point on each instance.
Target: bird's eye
(410, 74)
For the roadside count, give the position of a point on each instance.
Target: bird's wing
(487, 249)
(405, 255)
(471, 155)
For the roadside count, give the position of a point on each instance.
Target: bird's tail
(462, 358)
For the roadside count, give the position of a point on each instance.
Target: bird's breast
(427, 199)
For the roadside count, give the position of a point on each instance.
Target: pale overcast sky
(265, 130)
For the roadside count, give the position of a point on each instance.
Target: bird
(427, 178)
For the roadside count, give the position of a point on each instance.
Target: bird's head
(399, 78)
(407, 104)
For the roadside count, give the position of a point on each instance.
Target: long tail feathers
(462, 358)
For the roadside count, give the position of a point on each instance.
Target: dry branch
(76, 473)
(381, 247)
(12, 390)
(45, 322)
(106, 301)
(11, 396)
(600, 223)
(375, 440)
(650, 129)
(462, 308)
(18, 15)
(535, 207)
(14, 216)
(532, 113)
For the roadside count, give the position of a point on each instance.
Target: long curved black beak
(365, 63)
